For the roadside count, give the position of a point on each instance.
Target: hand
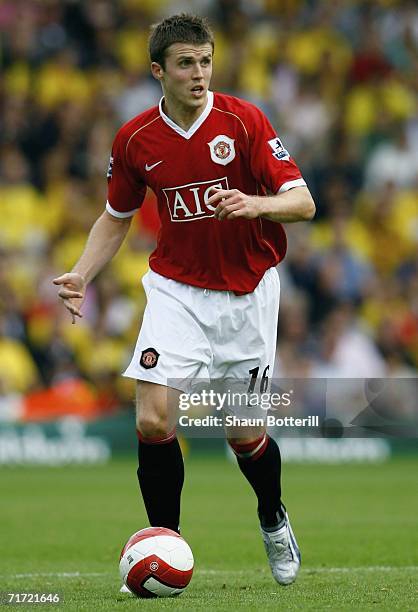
(232, 204)
(72, 292)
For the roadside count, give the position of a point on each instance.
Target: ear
(157, 71)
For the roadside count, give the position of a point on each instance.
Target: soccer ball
(156, 562)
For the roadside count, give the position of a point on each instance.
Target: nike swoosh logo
(148, 168)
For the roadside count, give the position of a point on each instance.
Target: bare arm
(288, 207)
(104, 240)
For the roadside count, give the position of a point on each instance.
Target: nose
(197, 72)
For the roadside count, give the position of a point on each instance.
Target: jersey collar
(195, 126)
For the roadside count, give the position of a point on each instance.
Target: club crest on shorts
(149, 358)
(222, 149)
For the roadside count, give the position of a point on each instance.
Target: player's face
(186, 76)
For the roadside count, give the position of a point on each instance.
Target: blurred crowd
(339, 81)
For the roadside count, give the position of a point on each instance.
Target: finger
(67, 294)
(216, 188)
(226, 212)
(219, 195)
(68, 278)
(61, 280)
(232, 200)
(73, 318)
(236, 213)
(73, 309)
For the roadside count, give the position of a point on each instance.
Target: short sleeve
(271, 164)
(126, 191)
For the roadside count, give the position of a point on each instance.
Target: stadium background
(337, 79)
(339, 82)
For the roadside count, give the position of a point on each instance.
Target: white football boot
(283, 552)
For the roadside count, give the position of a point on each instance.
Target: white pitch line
(324, 570)
(214, 572)
(368, 568)
(55, 575)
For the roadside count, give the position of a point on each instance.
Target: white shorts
(190, 333)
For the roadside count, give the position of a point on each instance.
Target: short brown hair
(182, 28)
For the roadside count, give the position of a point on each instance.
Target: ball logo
(222, 149)
(149, 358)
(153, 566)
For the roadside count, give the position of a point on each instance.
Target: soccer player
(224, 184)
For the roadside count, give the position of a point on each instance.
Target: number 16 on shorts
(264, 382)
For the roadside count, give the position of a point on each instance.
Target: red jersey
(231, 145)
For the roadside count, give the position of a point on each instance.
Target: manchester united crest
(149, 358)
(222, 149)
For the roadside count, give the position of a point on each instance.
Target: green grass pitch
(62, 530)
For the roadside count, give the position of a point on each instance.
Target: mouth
(197, 91)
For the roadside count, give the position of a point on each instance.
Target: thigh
(248, 347)
(245, 360)
(171, 348)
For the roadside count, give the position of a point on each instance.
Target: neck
(183, 116)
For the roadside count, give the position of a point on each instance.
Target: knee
(155, 416)
(153, 426)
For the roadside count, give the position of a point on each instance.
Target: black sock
(161, 477)
(263, 473)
